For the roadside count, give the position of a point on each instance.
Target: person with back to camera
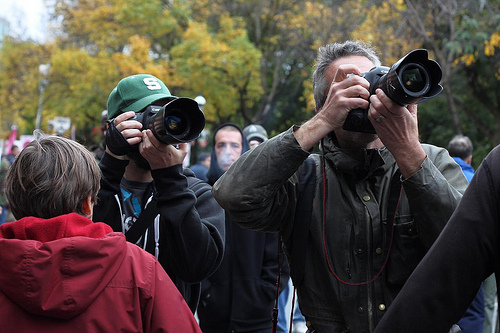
(61, 272)
(146, 192)
(376, 204)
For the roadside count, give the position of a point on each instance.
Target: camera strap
(303, 216)
(145, 219)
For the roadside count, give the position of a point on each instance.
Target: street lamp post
(194, 151)
(201, 101)
(44, 71)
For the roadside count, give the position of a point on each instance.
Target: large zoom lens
(413, 79)
(181, 120)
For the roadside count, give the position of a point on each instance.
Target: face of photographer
(397, 130)
(158, 154)
(348, 92)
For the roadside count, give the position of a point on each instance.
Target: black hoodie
(240, 295)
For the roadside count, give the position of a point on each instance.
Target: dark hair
(52, 176)
(460, 146)
(331, 52)
(203, 156)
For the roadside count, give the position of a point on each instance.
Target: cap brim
(256, 135)
(145, 101)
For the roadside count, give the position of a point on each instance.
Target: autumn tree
(114, 39)
(285, 34)
(442, 26)
(251, 59)
(19, 83)
(223, 66)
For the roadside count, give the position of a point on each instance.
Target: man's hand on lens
(161, 155)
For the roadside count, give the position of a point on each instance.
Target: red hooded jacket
(68, 274)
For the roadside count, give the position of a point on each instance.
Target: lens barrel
(178, 121)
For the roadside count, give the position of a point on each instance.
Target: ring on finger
(379, 119)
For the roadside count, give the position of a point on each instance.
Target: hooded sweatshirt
(69, 274)
(240, 295)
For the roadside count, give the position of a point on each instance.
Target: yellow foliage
(378, 28)
(491, 44)
(19, 84)
(223, 66)
(468, 59)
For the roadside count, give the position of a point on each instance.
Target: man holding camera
(357, 218)
(146, 194)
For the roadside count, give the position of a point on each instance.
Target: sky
(26, 17)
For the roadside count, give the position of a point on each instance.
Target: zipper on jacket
(122, 217)
(348, 269)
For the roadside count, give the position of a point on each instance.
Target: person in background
(14, 151)
(368, 207)
(200, 169)
(460, 148)
(99, 148)
(146, 194)
(255, 134)
(60, 271)
(4, 167)
(240, 295)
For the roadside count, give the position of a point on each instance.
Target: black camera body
(413, 79)
(178, 121)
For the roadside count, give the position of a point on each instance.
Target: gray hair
(460, 146)
(331, 52)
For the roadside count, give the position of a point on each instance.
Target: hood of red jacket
(57, 267)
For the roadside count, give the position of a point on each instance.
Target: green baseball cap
(136, 92)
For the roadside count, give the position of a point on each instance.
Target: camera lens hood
(178, 121)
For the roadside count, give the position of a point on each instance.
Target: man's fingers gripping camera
(413, 79)
(178, 121)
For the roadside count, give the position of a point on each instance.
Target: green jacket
(367, 260)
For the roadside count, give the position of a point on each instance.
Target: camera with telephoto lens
(178, 121)
(413, 79)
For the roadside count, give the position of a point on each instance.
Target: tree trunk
(452, 107)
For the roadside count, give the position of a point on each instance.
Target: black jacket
(190, 222)
(240, 295)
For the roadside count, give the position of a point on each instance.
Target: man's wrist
(311, 132)
(118, 157)
(410, 161)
